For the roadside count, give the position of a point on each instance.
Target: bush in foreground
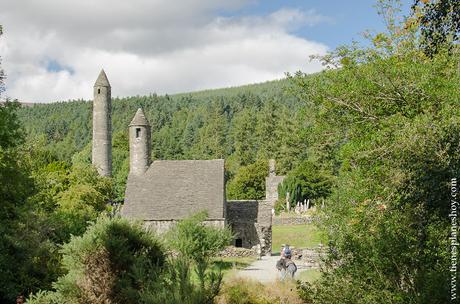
(116, 261)
(196, 243)
(110, 263)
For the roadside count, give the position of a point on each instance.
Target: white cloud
(146, 46)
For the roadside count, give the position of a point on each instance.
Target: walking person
(290, 266)
(286, 267)
(281, 266)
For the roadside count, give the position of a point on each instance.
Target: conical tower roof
(139, 119)
(102, 80)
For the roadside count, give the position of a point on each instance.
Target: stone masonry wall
(250, 220)
(241, 217)
(264, 226)
(271, 187)
(163, 226)
(292, 220)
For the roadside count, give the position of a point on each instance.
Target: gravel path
(263, 270)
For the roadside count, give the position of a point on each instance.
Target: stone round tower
(139, 144)
(102, 126)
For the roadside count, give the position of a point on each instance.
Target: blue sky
(53, 50)
(344, 19)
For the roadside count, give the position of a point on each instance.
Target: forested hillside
(241, 124)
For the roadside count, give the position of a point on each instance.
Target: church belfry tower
(102, 126)
(139, 144)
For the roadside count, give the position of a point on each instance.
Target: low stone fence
(236, 252)
(308, 257)
(292, 220)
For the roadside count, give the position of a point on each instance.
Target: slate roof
(175, 189)
(102, 80)
(139, 119)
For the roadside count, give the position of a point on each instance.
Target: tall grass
(243, 291)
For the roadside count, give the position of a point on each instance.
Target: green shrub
(194, 240)
(183, 284)
(116, 261)
(110, 263)
(194, 280)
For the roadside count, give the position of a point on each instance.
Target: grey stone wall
(271, 187)
(241, 217)
(250, 221)
(271, 182)
(264, 226)
(292, 220)
(163, 226)
(233, 252)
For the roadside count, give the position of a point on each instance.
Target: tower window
(98, 91)
(239, 243)
(138, 132)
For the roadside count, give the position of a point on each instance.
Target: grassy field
(298, 236)
(308, 275)
(230, 265)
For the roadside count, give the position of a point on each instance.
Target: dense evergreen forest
(242, 125)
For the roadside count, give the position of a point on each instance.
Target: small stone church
(161, 192)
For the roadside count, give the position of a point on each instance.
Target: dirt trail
(263, 270)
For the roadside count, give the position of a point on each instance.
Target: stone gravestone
(288, 205)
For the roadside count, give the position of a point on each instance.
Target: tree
(212, 143)
(307, 181)
(440, 23)
(292, 143)
(2, 75)
(26, 252)
(24, 249)
(267, 119)
(244, 141)
(397, 149)
(249, 182)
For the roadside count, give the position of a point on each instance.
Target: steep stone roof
(174, 189)
(139, 119)
(102, 80)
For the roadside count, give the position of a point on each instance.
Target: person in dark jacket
(285, 265)
(290, 266)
